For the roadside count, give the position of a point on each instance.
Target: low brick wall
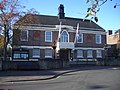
(34, 65)
(0, 65)
(50, 64)
(20, 65)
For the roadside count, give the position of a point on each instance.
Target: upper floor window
(89, 53)
(48, 53)
(24, 35)
(48, 36)
(98, 53)
(80, 38)
(79, 53)
(98, 39)
(64, 36)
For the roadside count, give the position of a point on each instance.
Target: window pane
(24, 35)
(48, 36)
(89, 54)
(36, 52)
(64, 36)
(80, 38)
(79, 53)
(99, 53)
(98, 39)
(48, 53)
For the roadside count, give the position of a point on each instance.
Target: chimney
(61, 14)
(109, 32)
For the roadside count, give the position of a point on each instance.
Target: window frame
(98, 36)
(79, 53)
(80, 37)
(89, 53)
(48, 54)
(46, 36)
(36, 56)
(21, 39)
(99, 53)
(63, 38)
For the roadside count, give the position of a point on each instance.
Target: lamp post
(105, 60)
(54, 48)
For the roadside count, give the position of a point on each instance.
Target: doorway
(65, 54)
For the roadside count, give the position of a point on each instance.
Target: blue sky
(109, 17)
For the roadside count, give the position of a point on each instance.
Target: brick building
(75, 39)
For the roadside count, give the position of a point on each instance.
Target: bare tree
(95, 8)
(10, 12)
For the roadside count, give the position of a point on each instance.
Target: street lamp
(54, 48)
(105, 60)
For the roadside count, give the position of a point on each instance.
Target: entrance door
(64, 54)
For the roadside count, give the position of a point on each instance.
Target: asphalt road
(102, 79)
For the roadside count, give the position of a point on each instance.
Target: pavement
(20, 76)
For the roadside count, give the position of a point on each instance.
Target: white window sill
(48, 56)
(99, 56)
(80, 57)
(36, 56)
(89, 56)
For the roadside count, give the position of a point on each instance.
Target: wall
(34, 65)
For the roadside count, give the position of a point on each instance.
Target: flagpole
(59, 32)
(58, 39)
(76, 35)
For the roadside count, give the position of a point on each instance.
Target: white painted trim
(67, 34)
(40, 47)
(82, 29)
(44, 47)
(33, 59)
(82, 48)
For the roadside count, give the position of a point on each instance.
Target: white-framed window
(24, 35)
(89, 53)
(64, 37)
(48, 53)
(80, 38)
(79, 53)
(99, 53)
(98, 39)
(48, 36)
(36, 53)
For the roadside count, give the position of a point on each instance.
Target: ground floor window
(20, 54)
(48, 53)
(79, 53)
(98, 53)
(36, 53)
(89, 54)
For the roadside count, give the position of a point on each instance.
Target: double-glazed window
(36, 53)
(64, 37)
(80, 38)
(98, 53)
(48, 53)
(48, 36)
(79, 53)
(24, 35)
(89, 54)
(98, 39)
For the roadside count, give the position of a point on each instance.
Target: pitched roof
(54, 20)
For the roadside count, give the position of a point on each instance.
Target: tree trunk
(5, 43)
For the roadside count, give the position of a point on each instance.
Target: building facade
(58, 37)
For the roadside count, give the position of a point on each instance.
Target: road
(102, 79)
